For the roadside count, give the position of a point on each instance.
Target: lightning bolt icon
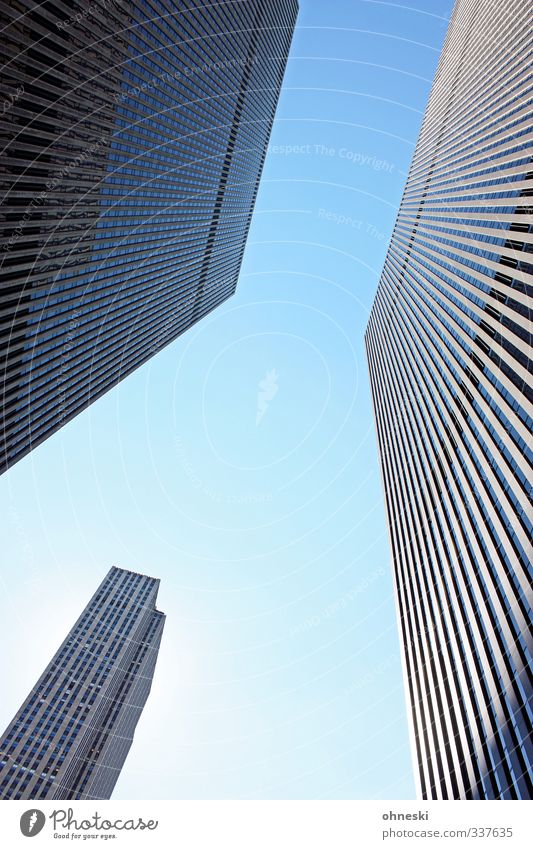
(33, 820)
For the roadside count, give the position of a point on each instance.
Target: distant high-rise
(449, 347)
(133, 138)
(70, 738)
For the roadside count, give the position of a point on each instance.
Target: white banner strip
(266, 825)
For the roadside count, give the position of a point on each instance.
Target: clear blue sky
(258, 506)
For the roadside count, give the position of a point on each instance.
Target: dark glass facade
(449, 350)
(134, 135)
(70, 738)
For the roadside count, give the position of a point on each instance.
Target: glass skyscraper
(449, 346)
(70, 738)
(133, 136)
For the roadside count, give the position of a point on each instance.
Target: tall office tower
(133, 137)
(70, 738)
(448, 344)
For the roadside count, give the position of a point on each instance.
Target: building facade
(134, 136)
(71, 736)
(449, 347)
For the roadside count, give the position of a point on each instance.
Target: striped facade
(70, 738)
(133, 136)
(448, 344)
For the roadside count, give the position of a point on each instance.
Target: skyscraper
(134, 136)
(70, 738)
(449, 342)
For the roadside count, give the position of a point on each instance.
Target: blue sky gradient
(240, 466)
